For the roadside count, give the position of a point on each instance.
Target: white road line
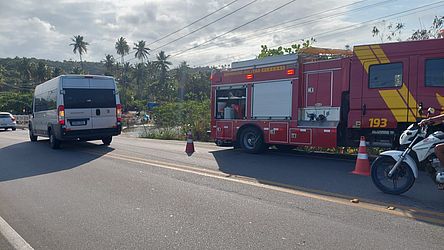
(13, 237)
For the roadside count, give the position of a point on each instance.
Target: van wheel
(107, 140)
(13, 129)
(32, 137)
(252, 141)
(54, 143)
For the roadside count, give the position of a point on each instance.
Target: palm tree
(109, 64)
(163, 65)
(141, 50)
(79, 46)
(182, 78)
(141, 53)
(122, 48)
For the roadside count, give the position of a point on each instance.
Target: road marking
(13, 237)
(401, 211)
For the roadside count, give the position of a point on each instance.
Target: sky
(44, 28)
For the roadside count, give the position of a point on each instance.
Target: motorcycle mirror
(431, 110)
(420, 109)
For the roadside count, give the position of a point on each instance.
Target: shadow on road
(324, 175)
(28, 159)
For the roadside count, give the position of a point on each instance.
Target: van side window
(434, 72)
(52, 99)
(41, 103)
(385, 75)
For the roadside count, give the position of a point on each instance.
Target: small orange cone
(190, 144)
(362, 166)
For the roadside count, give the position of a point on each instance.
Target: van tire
(32, 137)
(13, 129)
(107, 141)
(54, 143)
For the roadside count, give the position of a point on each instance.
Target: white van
(76, 107)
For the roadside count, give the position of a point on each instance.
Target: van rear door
(103, 95)
(77, 109)
(77, 103)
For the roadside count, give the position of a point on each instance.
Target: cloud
(44, 28)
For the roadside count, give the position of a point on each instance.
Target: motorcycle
(395, 171)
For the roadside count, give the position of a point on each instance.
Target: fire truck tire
(252, 140)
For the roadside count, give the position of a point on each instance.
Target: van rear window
(89, 98)
(4, 116)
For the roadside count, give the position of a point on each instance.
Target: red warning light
(249, 76)
(290, 71)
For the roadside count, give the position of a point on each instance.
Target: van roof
(86, 76)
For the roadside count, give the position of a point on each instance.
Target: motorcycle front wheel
(401, 180)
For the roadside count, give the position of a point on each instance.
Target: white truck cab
(76, 107)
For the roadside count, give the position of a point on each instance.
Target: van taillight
(61, 114)
(119, 112)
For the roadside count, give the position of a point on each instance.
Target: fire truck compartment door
(319, 89)
(224, 130)
(278, 132)
(272, 100)
(300, 136)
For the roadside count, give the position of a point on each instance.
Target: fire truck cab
(326, 97)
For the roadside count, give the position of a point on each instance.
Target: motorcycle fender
(396, 154)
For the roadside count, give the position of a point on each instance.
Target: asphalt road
(147, 194)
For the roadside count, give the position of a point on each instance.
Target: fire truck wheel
(252, 141)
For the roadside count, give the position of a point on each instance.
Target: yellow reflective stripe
(395, 103)
(411, 103)
(380, 54)
(366, 56)
(440, 99)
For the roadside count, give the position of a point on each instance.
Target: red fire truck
(327, 98)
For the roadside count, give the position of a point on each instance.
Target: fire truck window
(385, 75)
(434, 72)
(231, 103)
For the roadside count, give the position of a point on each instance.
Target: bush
(185, 116)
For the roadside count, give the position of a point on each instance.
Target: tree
(2, 72)
(58, 71)
(25, 69)
(141, 51)
(388, 31)
(163, 65)
(41, 72)
(435, 30)
(79, 46)
(293, 49)
(122, 48)
(182, 77)
(109, 64)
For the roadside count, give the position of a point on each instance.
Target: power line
(299, 24)
(359, 25)
(200, 19)
(238, 27)
(206, 25)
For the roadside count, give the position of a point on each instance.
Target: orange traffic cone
(362, 164)
(190, 144)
